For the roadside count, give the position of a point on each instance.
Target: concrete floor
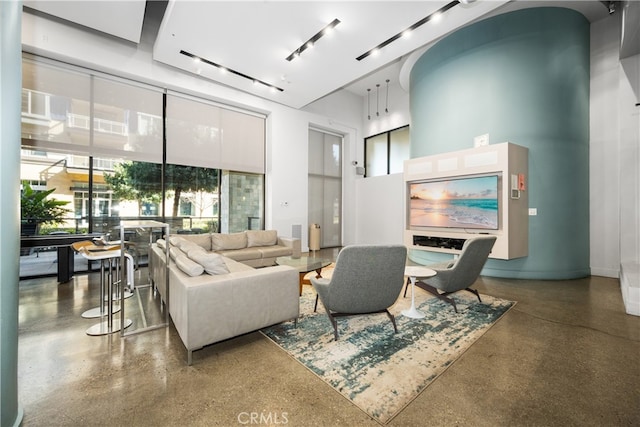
(567, 354)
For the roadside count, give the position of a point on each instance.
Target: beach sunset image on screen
(455, 203)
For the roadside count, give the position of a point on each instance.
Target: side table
(414, 272)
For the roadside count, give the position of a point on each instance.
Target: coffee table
(414, 272)
(304, 265)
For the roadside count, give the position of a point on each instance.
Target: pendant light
(386, 104)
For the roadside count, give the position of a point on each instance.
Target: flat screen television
(455, 202)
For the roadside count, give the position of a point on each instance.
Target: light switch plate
(533, 211)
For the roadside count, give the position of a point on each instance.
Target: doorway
(325, 186)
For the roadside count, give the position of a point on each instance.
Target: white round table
(414, 272)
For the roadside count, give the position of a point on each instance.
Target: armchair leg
(393, 321)
(334, 323)
(406, 286)
(473, 291)
(435, 292)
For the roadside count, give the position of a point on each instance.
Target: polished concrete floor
(565, 355)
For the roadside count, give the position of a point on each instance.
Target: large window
(97, 144)
(385, 153)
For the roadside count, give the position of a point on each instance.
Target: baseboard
(630, 287)
(605, 272)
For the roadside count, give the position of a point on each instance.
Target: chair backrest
(469, 264)
(367, 278)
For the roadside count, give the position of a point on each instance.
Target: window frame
(388, 150)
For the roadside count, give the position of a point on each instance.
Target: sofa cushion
(202, 240)
(274, 251)
(261, 238)
(188, 266)
(242, 254)
(212, 263)
(220, 241)
(236, 266)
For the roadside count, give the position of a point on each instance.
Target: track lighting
(198, 59)
(312, 41)
(433, 17)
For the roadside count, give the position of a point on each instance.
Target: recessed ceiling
(122, 19)
(254, 38)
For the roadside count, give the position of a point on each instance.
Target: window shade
(206, 135)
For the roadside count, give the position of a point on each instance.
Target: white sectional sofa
(256, 248)
(213, 297)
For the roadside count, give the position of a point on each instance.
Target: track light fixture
(406, 32)
(224, 69)
(312, 41)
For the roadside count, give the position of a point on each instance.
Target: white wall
(611, 112)
(398, 116)
(287, 128)
(380, 209)
(380, 200)
(630, 161)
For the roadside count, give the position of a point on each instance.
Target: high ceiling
(252, 39)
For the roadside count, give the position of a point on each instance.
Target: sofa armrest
(292, 243)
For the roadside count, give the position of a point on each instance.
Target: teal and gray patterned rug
(379, 371)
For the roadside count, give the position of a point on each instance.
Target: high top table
(414, 272)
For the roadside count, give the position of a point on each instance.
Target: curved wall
(521, 77)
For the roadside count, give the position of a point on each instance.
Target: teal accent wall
(521, 77)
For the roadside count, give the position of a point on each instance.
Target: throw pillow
(193, 250)
(176, 240)
(212, 263)
(188, 266)
(229, 241)
(202, 240)
(261, 238)
(175, 252)
(186, 246)
(161, 244)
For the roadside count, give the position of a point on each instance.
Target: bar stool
(83, 249)
(110, 276)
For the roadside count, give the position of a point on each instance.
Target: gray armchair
(461, 273)
(366, 279)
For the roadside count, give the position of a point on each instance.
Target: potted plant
(37, 208)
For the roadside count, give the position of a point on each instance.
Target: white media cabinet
(507, 160)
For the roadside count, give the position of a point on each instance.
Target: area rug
(379, 371)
